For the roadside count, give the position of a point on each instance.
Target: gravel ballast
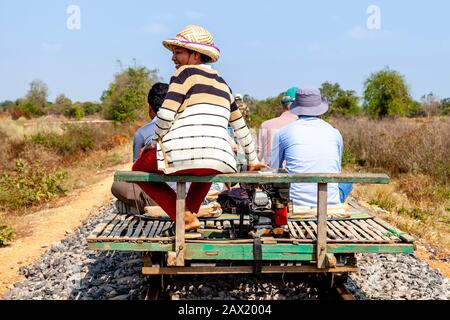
(68, 270)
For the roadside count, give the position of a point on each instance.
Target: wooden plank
(118, 226)
(130, 230)
(343, 232)
(299, 230)
(360, 230)
(147, 229)
(349, 228)
(256, 177)
(404, 236)
(381, 231)
(132, 246)
(180, 247)
(123, 226)
(313, 226)
(155, 226)
(311, 234)
(166, 226)
(160, 228)
(279, 252)
(321, 224)
(285, 252)
(112, 225)
(368, 229)
(138, 230)
(98, 230)
(380, 228)
(292, 230)
(242, 270)
(330, 231)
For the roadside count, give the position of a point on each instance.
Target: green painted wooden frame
(256, 177)
(270, 252)
(183, 250)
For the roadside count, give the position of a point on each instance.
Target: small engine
(268, 207)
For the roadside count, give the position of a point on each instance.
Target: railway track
(245, 287)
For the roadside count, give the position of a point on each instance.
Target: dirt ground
(39, 230)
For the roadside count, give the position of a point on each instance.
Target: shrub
(415, 213)
(74, 139)
(90, 108)
(30, 184)
(74, 111)
(7, 234)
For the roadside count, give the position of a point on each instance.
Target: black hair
(156, 95)
(203, 57)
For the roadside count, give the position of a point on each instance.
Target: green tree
(34, 102)
(62, 104)
(6, 105)
(263, 110)
(444, 107)
(330, 91)
(346, 104)
(386, 94)
(91, 108)
(74, 110)
(342, 102)
(37, 95)
(415, 109)
(127, 95)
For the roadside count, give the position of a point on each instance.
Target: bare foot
(191, 221)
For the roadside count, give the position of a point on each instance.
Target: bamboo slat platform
(360, 228)
(322, 243)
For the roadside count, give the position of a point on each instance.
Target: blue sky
(267, 46)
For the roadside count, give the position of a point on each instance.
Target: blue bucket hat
(309, 102)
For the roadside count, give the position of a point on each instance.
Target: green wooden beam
(283, 252)
(130, 246)
(290, 252)
(255, 177)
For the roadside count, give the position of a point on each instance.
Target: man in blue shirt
(131, 198)
(310, 145)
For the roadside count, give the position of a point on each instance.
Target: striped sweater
(191, 125)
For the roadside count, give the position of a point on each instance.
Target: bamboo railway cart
(314, 244)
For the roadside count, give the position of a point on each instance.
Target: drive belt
(257, 255)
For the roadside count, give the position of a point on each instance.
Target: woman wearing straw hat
(191, 127)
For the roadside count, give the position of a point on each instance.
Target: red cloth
(165, 196)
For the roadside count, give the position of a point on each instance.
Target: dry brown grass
(399, 145)
(429, 223)
(55, 161)
(416, 155)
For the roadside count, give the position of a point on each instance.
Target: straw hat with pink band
(197, 39)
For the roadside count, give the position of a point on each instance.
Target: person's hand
(256, 167)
